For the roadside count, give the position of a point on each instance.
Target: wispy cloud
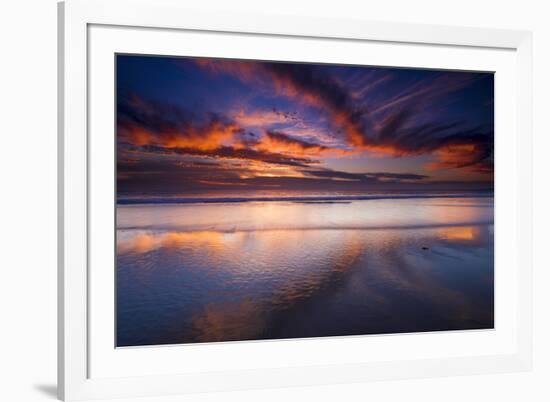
(390, 126)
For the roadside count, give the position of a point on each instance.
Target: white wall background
(28, 198)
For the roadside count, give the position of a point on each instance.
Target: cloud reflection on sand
(205, 286)
(398, 271)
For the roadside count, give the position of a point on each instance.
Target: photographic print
(274, 200)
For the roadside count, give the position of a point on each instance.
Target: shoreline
(210, 229)
(340, 199)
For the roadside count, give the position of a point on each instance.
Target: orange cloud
(279, 142)
(210, 137)
(469, 157)
(258, 118)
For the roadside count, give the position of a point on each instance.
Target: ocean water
(271, 268)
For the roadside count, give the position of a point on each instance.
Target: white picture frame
(78, 344)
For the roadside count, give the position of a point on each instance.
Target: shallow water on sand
(279, 269)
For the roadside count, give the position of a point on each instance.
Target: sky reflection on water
(195, 273)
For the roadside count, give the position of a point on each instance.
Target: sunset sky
(196, 125)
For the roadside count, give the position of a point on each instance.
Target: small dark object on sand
(425, 248)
